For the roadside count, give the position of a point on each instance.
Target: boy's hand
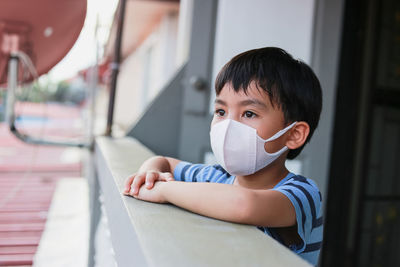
(135, 181)
(152, 195)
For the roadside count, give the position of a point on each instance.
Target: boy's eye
(249, 114)
(220, 112)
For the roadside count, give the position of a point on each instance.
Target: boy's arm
(226, 202)
(160, 164)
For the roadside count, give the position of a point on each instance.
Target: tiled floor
(28, 176)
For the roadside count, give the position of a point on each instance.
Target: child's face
(253, 109)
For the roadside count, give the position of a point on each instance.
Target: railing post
(115, 67)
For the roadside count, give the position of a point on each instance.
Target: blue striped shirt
(302, 192)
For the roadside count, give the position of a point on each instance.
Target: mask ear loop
(278, 134)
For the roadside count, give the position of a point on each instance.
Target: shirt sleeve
(188, 172)
(306, 199)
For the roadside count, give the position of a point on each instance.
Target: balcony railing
(148, 234)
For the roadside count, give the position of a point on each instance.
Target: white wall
(244, 25)
(144, 72)
(184, 33)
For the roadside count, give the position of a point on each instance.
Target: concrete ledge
(147, 234)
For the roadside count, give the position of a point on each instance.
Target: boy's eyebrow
(219, 101)
(254, 102)
(247, 102)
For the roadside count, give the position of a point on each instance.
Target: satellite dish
(39, 33)
(45, 30)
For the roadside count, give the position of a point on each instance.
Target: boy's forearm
(225, 202)
(220, 201)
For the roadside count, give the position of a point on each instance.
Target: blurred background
(145, 69)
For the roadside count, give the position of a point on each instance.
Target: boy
(267, 108)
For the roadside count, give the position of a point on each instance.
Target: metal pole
(12, 85)
(94, 189)
(115, 67)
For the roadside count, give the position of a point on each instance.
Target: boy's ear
(298, 135)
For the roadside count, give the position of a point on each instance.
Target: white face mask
(239, 149)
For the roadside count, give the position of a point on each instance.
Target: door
(363, 209)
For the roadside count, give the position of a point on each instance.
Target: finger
(137, 183)
(167, 176)
(128, 183)
(151, 177)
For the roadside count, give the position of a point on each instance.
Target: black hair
(291, 84)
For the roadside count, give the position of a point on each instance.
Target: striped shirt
(302, 192)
